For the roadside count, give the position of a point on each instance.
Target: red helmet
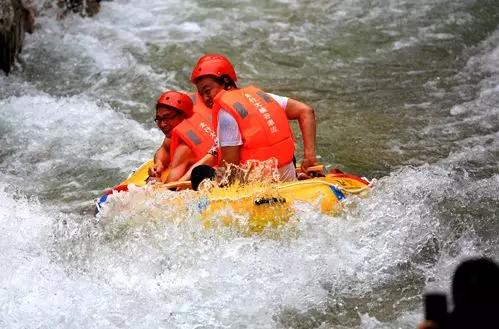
(213, 64)
(177, 100)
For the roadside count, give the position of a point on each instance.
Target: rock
(16, 18)
(82, 7)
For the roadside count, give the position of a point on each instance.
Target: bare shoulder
(296, 108)
(166, 143)
(183, 153)
(295, 104)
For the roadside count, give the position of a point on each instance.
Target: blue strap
(337, 193)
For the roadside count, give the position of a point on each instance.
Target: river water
(405, 91)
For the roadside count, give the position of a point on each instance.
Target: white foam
(46, 132)
(458, 109)
(246, 275)
(404, 43)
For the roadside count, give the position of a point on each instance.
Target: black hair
(169, 107)
(224, 80)
(227, 82)
(201, 173)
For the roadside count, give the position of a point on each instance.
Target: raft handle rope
(355, 190)
(263, 200)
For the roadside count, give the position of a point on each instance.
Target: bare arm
(181, 161)
(208, 159)
(231, 154)
(162, 155)
(161, 159)
(305, 115)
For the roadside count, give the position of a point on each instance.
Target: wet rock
(82, 7)
(16, 18)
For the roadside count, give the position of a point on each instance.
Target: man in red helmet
(250, 123)
(188, 136)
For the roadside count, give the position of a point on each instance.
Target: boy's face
(208, 88)
(168, 118)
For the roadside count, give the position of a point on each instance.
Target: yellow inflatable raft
(259, 204)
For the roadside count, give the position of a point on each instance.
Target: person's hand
(426, 324)
(302, 176)
(155, 171)
(308, 162)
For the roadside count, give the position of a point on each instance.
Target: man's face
(208, 88)
(168, 118)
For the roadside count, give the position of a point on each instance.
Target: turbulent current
(405, 91)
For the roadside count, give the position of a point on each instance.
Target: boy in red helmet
(250, 123)
(188, 136)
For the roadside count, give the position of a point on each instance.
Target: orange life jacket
(196, 132)
(262, 122)
(205, 111)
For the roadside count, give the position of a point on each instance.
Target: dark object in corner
(475, 295)
(475, 292)
(435, 308)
